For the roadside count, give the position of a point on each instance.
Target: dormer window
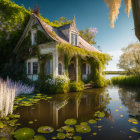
(73, 39)
(34, 37)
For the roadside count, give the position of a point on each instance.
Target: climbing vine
(97, 61)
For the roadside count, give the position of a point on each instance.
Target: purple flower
(93, 30)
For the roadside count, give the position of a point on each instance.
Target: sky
(91, 13)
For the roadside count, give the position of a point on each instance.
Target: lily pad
(38, 94)
(70, 122)
(39, 137)
(60, 136)
(132, 120)
(14, 116)
(92, 121)
(83, 128)
(94, 133)
(49, 97)
(45, 129)
(99, 127)
(60, 130)
(68, 129)
(12, 122)
(83, 123)
(69, 135)
(30, 122)
(136, 130)
(99, 114)
(24, 134)
(54, 138)
(1, 125)
(77, 138)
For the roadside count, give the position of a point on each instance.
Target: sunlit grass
(132, 81)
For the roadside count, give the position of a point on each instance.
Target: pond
(121, 107)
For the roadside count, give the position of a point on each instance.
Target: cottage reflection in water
(63, 106)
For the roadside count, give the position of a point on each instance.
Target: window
(73, 39)
(88, 69)
(29, 68)
(60, 68)
(34, 38)
(35, 68)
(48, 66)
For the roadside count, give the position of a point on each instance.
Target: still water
(118, 104)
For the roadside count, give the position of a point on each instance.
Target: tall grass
(8, 90)
(132, 81)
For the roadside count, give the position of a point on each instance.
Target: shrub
(62, 84)
(76, 86)
(46, 84)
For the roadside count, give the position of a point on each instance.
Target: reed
(8, 91)
(132, 80)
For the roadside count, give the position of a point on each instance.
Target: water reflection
(54, 112)
(113, 101)
(131, 99)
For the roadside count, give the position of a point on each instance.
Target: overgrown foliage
(97, 61)
(13, 19)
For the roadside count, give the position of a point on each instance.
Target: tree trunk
(136, 16)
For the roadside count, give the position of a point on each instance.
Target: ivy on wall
(97, 61)
(13, 20)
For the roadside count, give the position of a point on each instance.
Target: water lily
(45, 129)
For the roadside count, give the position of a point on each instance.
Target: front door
(72, 72)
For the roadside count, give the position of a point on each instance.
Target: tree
(130, 59)
(89, 35)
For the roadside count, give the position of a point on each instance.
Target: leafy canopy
(130, 59)
(88, 35)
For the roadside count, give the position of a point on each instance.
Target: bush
(76, 86)
(46, 84)
(62, 84)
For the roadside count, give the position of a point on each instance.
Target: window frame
(61, 68)
(34, 68)
(31, 70)
(34, 37)
(74, 39)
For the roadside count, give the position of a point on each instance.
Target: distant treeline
(115, 72)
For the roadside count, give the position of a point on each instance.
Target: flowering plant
(62, 79)
(62, 84)
(8, 90)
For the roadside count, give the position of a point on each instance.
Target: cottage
(38, 44)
